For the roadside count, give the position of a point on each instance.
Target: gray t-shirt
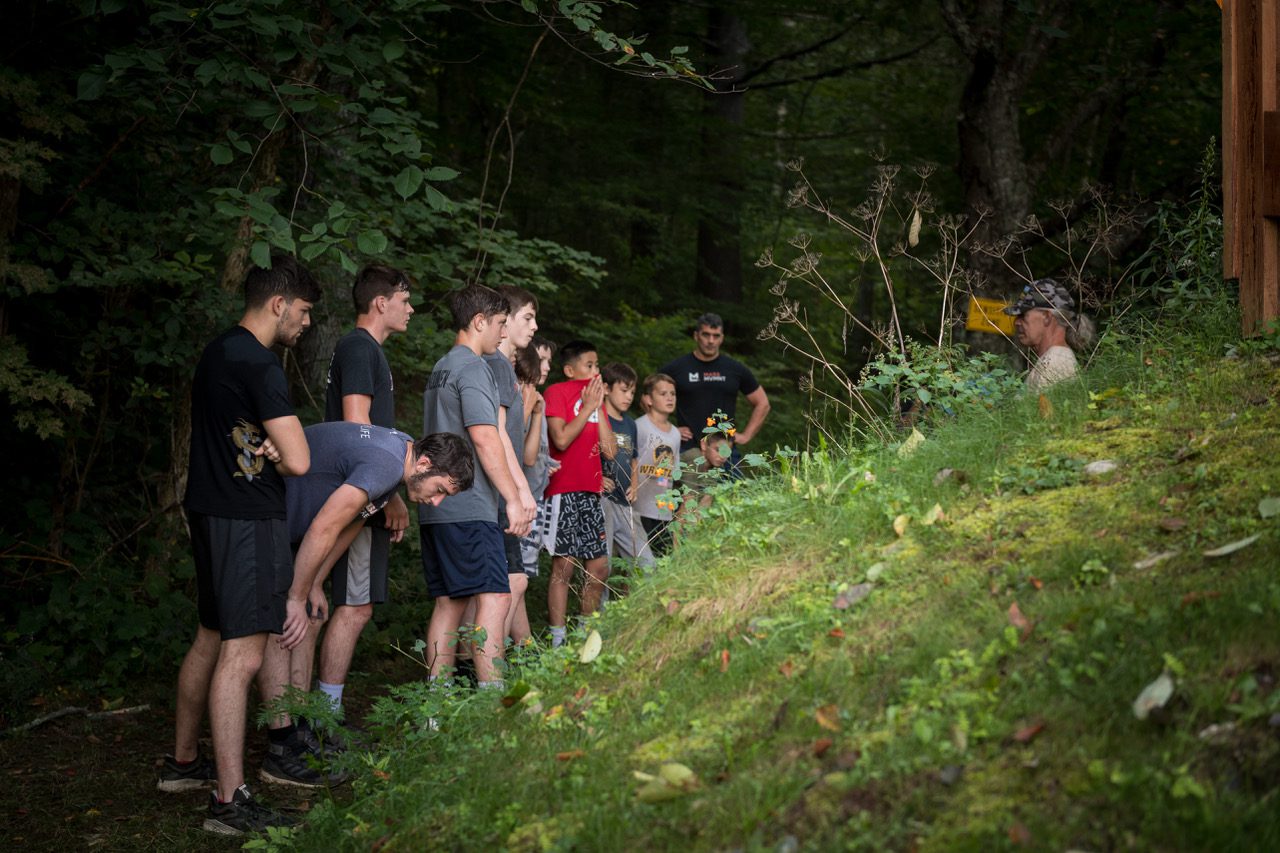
(461, 393)
(659, 455)
(504, 376)
(368, 457)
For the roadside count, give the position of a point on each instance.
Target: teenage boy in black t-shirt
(361, 390)
(244, 439)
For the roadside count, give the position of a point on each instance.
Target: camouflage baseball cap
(1045, 294)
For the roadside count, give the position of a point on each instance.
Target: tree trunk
(719, 265)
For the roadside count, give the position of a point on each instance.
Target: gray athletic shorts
(360, 575)
(624, 533)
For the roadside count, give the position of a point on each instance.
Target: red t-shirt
(580, 469)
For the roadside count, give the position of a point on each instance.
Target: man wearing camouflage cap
(1048, 323)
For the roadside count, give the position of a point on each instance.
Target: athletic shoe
(243, 814)
(297, 763)
(176, 778)
(329, 741)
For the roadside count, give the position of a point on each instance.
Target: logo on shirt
(248, 438)
(577, 407)
(694, 377)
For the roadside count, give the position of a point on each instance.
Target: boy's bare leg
(520, 631)
(340, 638)
(239, 660)
(442, 633)
(491, 615)
(558, 591)
(519, 583)
(193, 692)
(597, 572)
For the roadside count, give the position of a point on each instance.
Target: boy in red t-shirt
(579, 431)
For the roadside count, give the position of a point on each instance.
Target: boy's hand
(686, 434)
(593, 394)
(606, 485)
(519, 521)
(631, 492)
(397, 517)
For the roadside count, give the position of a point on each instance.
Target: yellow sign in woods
(987, 315)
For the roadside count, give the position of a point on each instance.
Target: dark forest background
(629, 163)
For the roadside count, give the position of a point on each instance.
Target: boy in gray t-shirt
(462, 547)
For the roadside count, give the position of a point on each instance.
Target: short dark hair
(651, 381)
(518, 297)
(285, 277)
(708, 319)
(377, 280)
(574, 350)
(467, 302)
(450, 455)
(615, 372)
(528, 365)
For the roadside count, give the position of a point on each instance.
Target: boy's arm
(635, 479)
(329, 535)
(513, 464)
(488, 444)
(608, 444)
(533, 435)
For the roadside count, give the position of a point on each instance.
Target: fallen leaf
(911, 443)
(724, 660)
(828, 716)
(1269, 507)
(1018, 833)
(1173, 523)
(821, 745)
(875, 570)
(1046, 407)
(787, 668)
(900, 524)
(517, 692)
(674, 773)
(570, 754)
(1017, 620)
(837, 633)
(1028, 733)
(381, 774)
(658, 791)
(933, 516)
(591, 648)
(1194, 597)
(1036, 582)
(1232, 547)
(1100, 468)
(1153, 696)
(672, 607)
(1155, 559)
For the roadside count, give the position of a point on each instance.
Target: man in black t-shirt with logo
(707, 382)
(245, 439)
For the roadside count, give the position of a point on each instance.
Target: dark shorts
(659, 535)
(510, 546)
(360, 575)
(577, 526)
(464, 558)
(243, 571)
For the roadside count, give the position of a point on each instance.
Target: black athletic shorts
(577, 526)
(510, 546)
(243, 571)
(463, 558)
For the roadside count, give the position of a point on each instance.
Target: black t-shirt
(703, 387)
(238, 385)
(359, 366)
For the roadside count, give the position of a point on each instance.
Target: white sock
(497, 684)
(557, 636)
(334, 692)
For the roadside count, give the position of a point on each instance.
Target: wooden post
(1251, 156)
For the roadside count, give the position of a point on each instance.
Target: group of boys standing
(274, 509)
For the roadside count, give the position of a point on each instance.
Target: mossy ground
(978, 697)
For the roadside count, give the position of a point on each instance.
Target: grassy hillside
(964, 681)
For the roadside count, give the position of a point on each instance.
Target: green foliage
(1047, 472)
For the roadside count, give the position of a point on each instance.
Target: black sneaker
(243, 814)
(327, 741)
(296, 763)
(176, 778)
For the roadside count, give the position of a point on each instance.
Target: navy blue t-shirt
(618, 468)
